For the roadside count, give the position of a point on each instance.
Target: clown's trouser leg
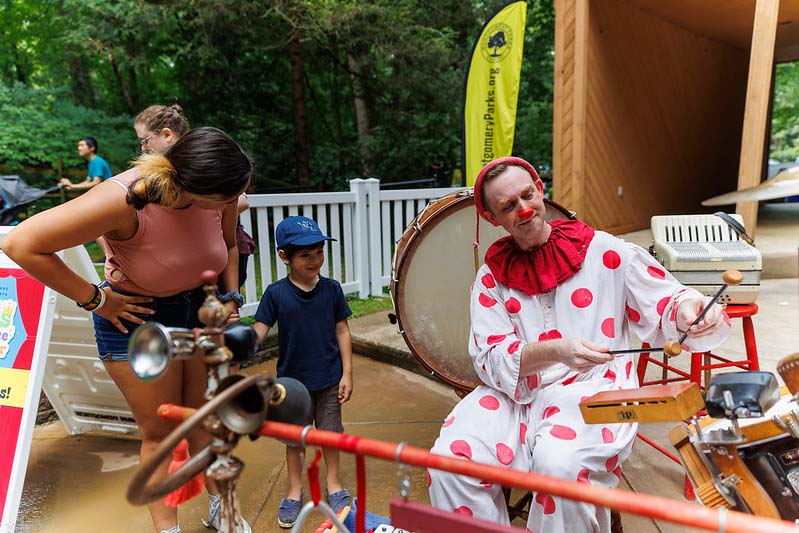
(547, 436)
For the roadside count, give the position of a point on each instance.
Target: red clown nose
(527, 212)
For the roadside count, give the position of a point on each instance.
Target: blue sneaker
(339, 500)
(288, 511)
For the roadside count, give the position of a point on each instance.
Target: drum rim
(411, 245)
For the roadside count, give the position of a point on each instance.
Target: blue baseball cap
(299, 231)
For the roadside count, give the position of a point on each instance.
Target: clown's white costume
(533, 423)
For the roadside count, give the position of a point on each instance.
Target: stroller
(17, 196)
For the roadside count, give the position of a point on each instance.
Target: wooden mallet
(730, 277)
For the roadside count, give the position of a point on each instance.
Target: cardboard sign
(26, 316)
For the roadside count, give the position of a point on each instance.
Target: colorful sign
(492, 89)
(26, 317)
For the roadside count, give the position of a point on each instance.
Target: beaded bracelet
(97, 300)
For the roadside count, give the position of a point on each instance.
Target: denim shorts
(177, 311)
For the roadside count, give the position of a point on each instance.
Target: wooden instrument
(655, 403)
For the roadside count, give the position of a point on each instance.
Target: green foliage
(785, 114)
(86, 67)
(39, 127)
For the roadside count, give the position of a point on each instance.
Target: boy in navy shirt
(314, 346)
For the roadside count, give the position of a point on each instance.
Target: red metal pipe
(636, 503)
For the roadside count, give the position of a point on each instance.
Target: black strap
(736, 226)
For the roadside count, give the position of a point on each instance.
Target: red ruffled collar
(544, 268)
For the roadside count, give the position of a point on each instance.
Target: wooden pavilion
(660, 104)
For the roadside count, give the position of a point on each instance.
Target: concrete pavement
(77, 484)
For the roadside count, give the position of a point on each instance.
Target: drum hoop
(413, 342)
(399, 307)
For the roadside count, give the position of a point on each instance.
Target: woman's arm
(34, 243)
(230, 275)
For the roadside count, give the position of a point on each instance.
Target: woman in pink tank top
(164, 221)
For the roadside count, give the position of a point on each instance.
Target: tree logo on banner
(497, 42)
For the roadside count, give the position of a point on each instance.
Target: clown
(548, 303)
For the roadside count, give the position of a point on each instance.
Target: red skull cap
(511, 161)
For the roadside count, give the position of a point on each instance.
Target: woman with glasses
(165, 221)
(158, 127)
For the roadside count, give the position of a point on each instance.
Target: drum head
(433, 275)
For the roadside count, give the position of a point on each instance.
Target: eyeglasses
(143, 142)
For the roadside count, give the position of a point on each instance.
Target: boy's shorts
(325, 411)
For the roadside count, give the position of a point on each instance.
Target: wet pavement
(77, 483)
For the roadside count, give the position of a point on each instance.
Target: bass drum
(432, 273)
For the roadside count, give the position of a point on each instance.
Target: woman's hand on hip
(119, 306)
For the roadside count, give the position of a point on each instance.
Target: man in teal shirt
(98, 168)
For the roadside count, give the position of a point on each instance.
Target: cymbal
(782, 185)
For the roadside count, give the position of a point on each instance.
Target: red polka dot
(465, 511)
(610, 374)
(633, 315)
(523, 433)
(549, 411)
(612, 463)
(608, 328)
(545, 501)
(504, 454)
(582, 476)
(611, 259)
(662, 303)
(628, 368)
(448, 422)
(489, 402)
(488, 281)
(569, 381)
(726, 318)
(495, 339)
(582, 298)
(673, 314)
(607, 435)
(461, 448)
(485, 300)
(429, 479)
(563, 432)
(617, 472)
(532, 381)
(550, 335)
(486, 484)
(655, 272)
(514, 346)
(513, 305)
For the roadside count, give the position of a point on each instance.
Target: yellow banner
(492, 89)
(13, 386)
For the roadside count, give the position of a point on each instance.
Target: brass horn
(152, 345)
(244, 413)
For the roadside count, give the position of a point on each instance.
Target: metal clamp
(403, 473)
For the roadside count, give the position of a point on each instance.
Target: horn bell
(152, 345)
(244, 413)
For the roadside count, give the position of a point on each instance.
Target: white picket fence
(366, 222)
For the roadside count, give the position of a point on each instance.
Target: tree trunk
(361, 101)
(133, 88)
(300, 110)
(122, 88)
(22, 76)
(80, 82)
(335, 94)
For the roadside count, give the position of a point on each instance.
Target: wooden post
(756, 115)
(580, 106)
